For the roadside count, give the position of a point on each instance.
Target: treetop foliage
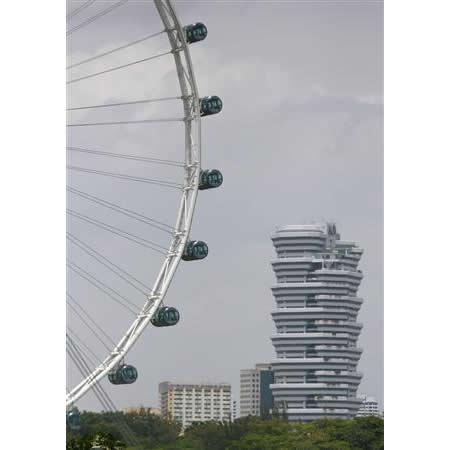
(248, 433)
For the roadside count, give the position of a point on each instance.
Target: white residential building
(317, 280)
(188, 403)
(369, 407)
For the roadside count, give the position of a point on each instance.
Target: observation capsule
(195, 32)
(194, 250)
(210, 105)
(209, 179)
(166, 317)
(73, 419)
(123, 374)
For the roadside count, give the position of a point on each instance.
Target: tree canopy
(248, 433)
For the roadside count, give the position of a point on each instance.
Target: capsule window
(73, 419)
(195, 32)
(195, 250)
(210, 105)
(166, 316)
(210, 178)
(124, 374)
(199, 250)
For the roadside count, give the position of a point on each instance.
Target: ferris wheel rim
(182, 228)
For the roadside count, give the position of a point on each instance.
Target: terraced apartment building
(315, 370)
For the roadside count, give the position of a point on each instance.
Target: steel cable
(76, 267)
(74, 335)
(96, 16)
(168, 162)
(123, 66)
(79, 9)
(109, 52)
(134, 102)
(91, 319)
(77, 357)
(170, 184)
(133, 312)
(101, 259)
(125, 211)
(125, 122)
(118, 231)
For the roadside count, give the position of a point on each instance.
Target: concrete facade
(255, 394)
(189, 403)
(316, 323)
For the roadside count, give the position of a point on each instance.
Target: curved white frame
(191, 104)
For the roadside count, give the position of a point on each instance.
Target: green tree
(79, 443)
(150, 430)
(249, 433)
(211, 435)
(108, 441)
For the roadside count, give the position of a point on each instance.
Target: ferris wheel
(107, 218)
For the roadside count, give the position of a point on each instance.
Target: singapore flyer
(134, 172)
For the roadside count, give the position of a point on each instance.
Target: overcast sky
(300, 139)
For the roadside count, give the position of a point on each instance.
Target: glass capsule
(210, 105)
(166, 317)
(209, 179)
(123, 374)
(73, 419)
(195, 32)
(195, 250)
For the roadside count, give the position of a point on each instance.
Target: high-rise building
(316, 328)
(188, 403)
(256, 396)
(369, 407)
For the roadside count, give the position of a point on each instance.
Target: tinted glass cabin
(73, 419)
(195, 250)
(210, 105)
(166, 317)
(195, 32)
(210, 179)
(123, 374)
